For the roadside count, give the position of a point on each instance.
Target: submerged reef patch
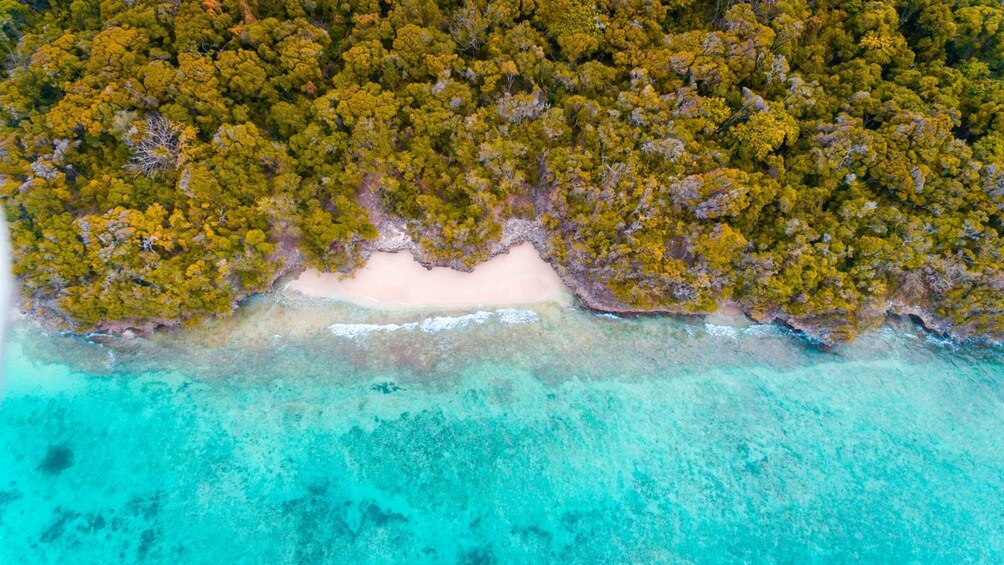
(57, 459)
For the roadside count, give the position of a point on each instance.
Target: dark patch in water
(92, 523)
(147, 507)
(58, 459)
(58, 525)
(317, 489)
(8, 496)
(307, 512)
(529, 532)
(381, 517)
(478, 556)
(146, 541)
(386, 388)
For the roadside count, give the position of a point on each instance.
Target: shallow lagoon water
(299, 432)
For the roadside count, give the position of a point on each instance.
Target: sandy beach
(394, 281)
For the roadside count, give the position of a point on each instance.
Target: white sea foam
(763, 330)
(721, 331)
(437, 323)
(942, 342)
(513, 316)
(360, 330)
(441, 323)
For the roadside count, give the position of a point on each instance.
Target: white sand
(395, 280)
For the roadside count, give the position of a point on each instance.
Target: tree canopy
(821, 161)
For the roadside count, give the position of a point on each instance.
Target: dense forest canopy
(819, 161)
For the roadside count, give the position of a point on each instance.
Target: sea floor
(306, 432)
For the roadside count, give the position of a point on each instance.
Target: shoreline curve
(395, 280)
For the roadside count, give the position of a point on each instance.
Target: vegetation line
(822, 162)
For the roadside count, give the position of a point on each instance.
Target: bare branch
(158, 149)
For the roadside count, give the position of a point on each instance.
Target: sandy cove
(396, 280)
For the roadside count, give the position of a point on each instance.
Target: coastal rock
(826, 329)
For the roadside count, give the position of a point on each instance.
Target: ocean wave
(437, 324)
(721, 331)
(942, 342)
(764, 330)
(734, 332)
(513, 316)
(442, 323)
(360, 330)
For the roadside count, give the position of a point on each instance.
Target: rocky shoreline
(823, 331)
(393, 237)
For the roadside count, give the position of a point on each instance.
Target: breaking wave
(733, 332)
(359, 330)
(721, 331)
(437, 323)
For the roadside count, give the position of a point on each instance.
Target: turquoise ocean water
(320, 433)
